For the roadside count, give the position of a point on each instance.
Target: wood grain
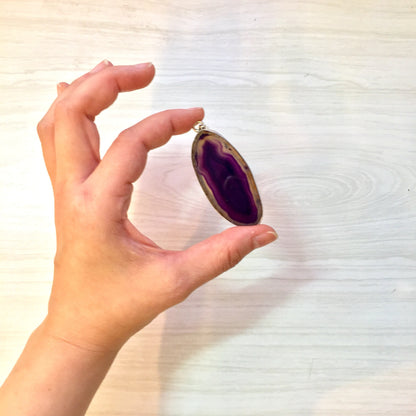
(319, 97)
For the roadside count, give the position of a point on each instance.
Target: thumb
(213, 256)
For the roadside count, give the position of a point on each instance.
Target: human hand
(110, 280)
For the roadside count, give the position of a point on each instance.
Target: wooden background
(320, 98)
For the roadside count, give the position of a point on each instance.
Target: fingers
(60, 88)
(209, 258)
(100, 90)
(99, 67)
(126, 158)
(46, 126)
(76, 137)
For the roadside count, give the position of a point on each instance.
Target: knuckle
(178, 288)
(63, 107)
(76, 222)
(167, 123)
(39, 127)
(77, 207)
(84, 203)
(232, 256)
(110, 83)
(43, 128)
(123, 135)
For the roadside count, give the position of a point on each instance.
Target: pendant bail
(199, 126)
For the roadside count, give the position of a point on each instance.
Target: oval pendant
(225, 178)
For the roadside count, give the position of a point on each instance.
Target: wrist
(64, 339)
(50, 372)
(78, 337)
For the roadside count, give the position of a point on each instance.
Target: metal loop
(198, 126)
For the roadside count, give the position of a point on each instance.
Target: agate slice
(225, 178)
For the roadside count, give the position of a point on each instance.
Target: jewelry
(225, 177)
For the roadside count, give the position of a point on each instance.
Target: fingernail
(60, 87)
(265, 238)
(100, 66)
(144, 65)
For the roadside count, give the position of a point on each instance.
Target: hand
(110, 280)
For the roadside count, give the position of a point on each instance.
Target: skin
(110, 280)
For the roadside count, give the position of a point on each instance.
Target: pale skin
(110, 280)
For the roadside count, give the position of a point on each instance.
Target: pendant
(225, 177)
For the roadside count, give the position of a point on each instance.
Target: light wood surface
(320, 98)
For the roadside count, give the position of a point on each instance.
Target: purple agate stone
(226, 179)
